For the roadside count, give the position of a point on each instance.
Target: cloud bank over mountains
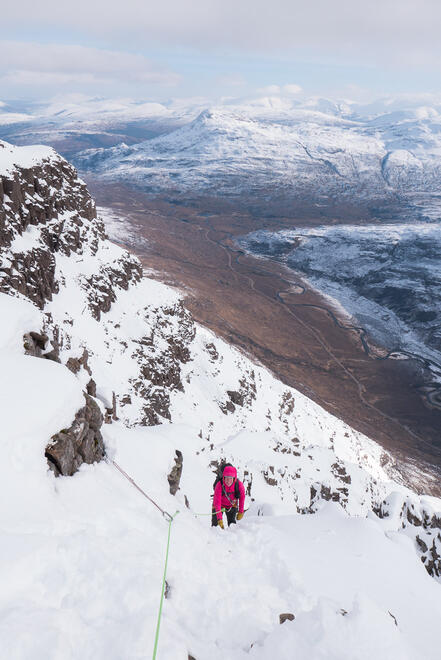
(220, 45)
(374, 28)
(61, 64)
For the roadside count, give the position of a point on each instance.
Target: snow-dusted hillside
(275, 148)
(77, 122)
(98, 359)
(387, 276)
(311, 153)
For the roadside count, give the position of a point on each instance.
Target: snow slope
(329, 534)
(82, 564)
(25, 157)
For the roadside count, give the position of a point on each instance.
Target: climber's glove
(220, 524)
(239, 516)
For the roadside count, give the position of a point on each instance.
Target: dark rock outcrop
(321, 491)
(75, 364)
(81, 443)
(270, 480)
(91, 388)
(286, 616)
(339, 471)
(111, 415)
(101, 287)
(34, 343)
(174, 478)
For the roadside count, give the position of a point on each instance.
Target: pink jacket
(224, 496)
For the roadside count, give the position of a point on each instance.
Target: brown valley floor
(270, 313)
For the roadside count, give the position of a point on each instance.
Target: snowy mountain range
(273, 148)
(101, 363)
(296, 153)
(75, 123)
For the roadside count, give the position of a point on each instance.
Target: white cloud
(284, 90)
(52, 65)
(271, 90)
(7, 118)
(398, 32)
(292, 89)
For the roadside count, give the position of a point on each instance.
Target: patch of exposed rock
(160, 356)
(286, 616)
(81, 443)
(244, 395)
(174, 478)
(75, 364)
(422, 524)
(102, 287)
(326, 492)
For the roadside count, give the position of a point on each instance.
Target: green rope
(158, 625)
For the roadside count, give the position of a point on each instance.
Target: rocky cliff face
(49, 196)
(46, 212)
(54, 253)
(141, 360)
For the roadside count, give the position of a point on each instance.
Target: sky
(219, 48)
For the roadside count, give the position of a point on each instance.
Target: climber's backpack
(220, 470)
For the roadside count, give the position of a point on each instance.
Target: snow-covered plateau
(100, 363)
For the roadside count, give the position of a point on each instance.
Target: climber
(228, 493)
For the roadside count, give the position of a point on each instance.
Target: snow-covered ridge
(23, 157)
(83, 553)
